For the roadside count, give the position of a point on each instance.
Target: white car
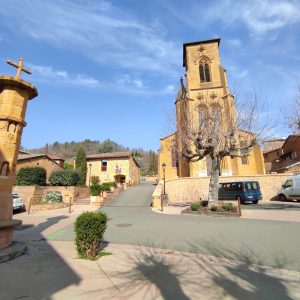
(290, 189)
(18, 203)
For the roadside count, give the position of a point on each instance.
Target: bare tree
(215, 133)
(292, 112)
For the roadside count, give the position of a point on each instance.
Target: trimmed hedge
(64, 178)
(31, 176)
(95, 189)
(89, 229)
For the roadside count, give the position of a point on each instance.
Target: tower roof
(217, 40)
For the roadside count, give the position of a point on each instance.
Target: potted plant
(95, 190)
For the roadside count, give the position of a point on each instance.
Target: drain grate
(124, 225)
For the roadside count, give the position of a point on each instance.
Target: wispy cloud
(259, 16)
(100, 30)
(50, 75)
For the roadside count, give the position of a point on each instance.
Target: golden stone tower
(14, 95)
(206, 89)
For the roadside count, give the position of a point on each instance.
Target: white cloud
(259, 16)
(234, 42)
(170, 88)
(99, 30)
(51, 75)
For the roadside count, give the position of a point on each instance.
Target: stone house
(205, 89)
(26, 159)
(120, 167)
(285, 158)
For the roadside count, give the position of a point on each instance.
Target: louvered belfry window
(204, 72)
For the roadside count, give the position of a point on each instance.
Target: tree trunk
(213, 194)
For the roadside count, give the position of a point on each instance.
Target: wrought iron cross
(19, 67)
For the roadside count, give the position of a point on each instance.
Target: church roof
(218, 40)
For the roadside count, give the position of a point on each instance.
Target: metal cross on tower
(19, 67)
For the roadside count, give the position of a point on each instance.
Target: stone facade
(38, 160)
(191, 189)
(120, 167)
(38, 193)
(198, 97)
(14, 95)
(286, 158)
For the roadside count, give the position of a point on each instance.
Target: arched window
(4, 170)
(202, 116)
(216, 115)
(204, 71)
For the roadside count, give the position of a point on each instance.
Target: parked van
(243, 190)
(290, 189)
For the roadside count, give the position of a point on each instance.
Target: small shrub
(31, 176)
(53, 197)
(214, 208)
(228, 207)
(95, 189)
(106, 186)
(195, 206)
(89, 229)
(64, 178)
(204, 203)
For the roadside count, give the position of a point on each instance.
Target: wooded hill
(68, 150)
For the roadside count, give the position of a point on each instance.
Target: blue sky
(111, 69)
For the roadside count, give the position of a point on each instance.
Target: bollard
(239, 205)
(70, 205)
(29, 206)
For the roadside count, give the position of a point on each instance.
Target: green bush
(89, 229)
(31, 176)
(64, 178)
(106, 186)
(53, 197)
(195, 206)
(95, 189)
(228, 207)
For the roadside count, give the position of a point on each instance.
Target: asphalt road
(269, 243)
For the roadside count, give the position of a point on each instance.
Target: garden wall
(37, 193)
(191, 189)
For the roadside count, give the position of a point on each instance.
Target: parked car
(290, 190)
(18, 203)
(243, 190)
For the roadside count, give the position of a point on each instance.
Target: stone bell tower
(14, 95)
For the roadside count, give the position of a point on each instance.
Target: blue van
(243, 190)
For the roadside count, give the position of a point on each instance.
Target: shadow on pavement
(244, 276)
(38, 274)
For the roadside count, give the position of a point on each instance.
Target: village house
(205, 88)
(120, 167)
(285, 158)
(26, 159)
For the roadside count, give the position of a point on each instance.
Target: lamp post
(90, 166)
(164, 191)
(164, 170)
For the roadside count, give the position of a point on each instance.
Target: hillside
(67, 150)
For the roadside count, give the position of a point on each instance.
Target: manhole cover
(124, 225)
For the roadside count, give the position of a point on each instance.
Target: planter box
(112, 188)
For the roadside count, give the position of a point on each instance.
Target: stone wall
(193, 188)
(37, 193)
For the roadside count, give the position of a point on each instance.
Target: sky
(111, 69)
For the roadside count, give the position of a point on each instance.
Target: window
(174, 157)
(104, 166)
(216, 115)
(201, 117)
(204, 72)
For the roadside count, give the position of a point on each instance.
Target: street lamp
(164, 170)
(90, 166)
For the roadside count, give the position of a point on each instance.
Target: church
(205, 88)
